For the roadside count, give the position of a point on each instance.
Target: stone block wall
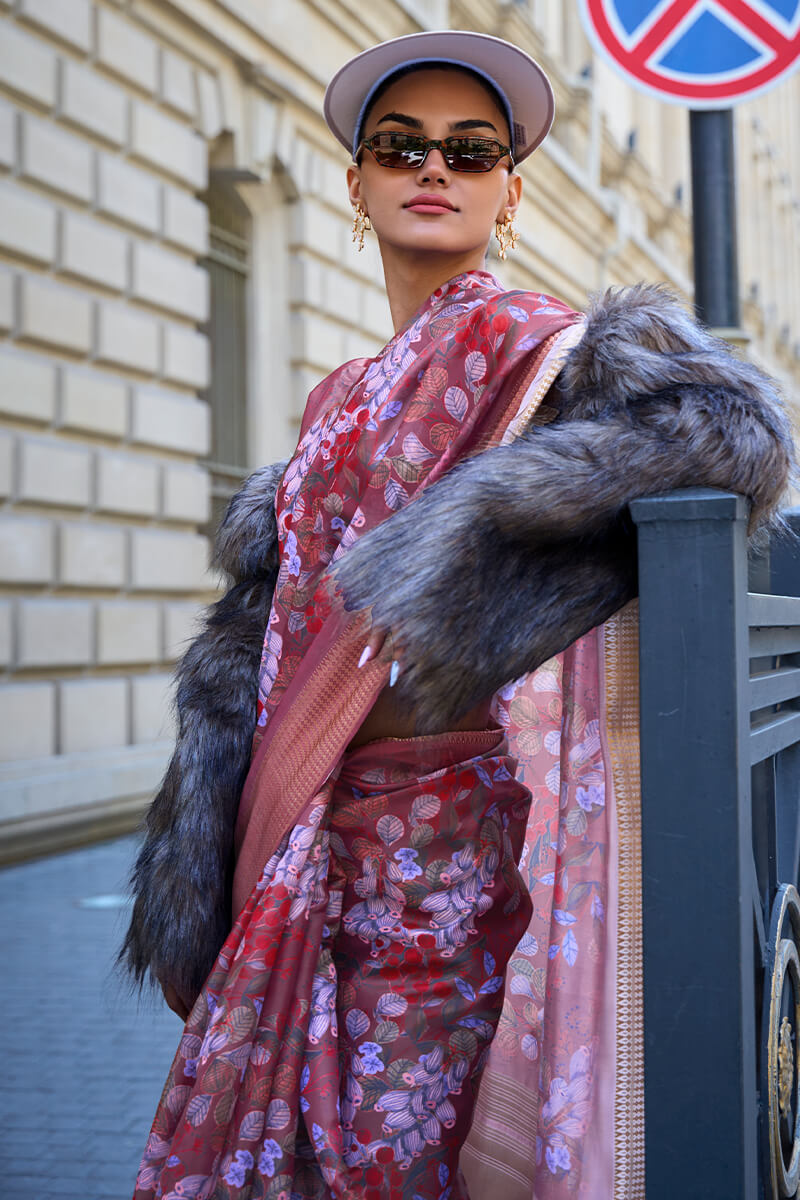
(103, 491)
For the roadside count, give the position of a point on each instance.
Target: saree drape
(311, 1065)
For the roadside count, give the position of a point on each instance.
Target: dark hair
(412, 68)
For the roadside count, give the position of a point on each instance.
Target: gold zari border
(622, 717)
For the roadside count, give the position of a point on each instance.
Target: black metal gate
(720, 729)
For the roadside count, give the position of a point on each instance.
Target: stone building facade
(176, 272)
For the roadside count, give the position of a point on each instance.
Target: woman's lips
(430, 204)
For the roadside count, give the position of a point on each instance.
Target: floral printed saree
(430, 989)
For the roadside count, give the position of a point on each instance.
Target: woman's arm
(518, 551)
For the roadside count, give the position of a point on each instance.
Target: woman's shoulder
(529, 305)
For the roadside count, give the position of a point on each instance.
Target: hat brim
(517, 77)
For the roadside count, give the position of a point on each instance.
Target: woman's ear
(512, 199)
(354, 186)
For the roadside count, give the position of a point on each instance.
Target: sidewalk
(82, 1063)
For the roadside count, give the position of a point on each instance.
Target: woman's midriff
(389, 718)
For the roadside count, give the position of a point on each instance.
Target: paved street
(82, 1063)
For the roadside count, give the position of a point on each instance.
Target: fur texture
(498, 566)
(181, 880)
(537, 546)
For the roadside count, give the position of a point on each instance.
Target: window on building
(228, 265)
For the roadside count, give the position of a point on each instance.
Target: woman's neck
(409, 282)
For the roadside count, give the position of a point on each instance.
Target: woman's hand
(375, 644)
(175, 1002)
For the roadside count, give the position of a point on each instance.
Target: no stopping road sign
(700, 53)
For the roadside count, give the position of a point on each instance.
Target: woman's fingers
(373, 647)
(375, 643)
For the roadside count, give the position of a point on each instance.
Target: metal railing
(720, 731)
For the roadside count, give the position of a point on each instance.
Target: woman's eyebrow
(473, 124)
(415, 123)
(401, 119)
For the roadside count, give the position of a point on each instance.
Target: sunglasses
(407, 151)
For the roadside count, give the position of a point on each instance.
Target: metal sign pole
(716, 267)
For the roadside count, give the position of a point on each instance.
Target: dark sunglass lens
(398, 149)
(473, 154)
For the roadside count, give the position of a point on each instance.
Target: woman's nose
(434, 168)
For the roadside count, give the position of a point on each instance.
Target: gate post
(697, 905)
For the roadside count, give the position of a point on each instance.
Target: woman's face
(435, 104)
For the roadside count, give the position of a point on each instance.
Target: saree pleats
(361, 987)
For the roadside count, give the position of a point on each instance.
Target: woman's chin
(427, 242)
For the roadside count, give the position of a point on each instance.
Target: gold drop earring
(361, 223)
(506, 235)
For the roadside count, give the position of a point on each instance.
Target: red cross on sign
(701, 53)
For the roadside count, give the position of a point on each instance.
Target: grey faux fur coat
(500, 564)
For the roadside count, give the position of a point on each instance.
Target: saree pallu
(555, 1055)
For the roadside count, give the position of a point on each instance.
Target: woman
(430, 985)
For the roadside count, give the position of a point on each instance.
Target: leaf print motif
(224, 1107)
(570, 947)
(380, 474)
(424, 807)
(387, 1032)
(198, 1108)
(219, 1075)
(252, 1126)
(418, 408)
(483, 1029)
(578, 893)
(241, 1021)
(190, 1045)
(405, 469)
(576, 822)
(530, 742)
(177, 1098)
(545, 680)
(523, 712)
(530, 1047)
(553, 780)
(528, 945)
(433, 382)
(441, 435)
(395, 494)
(456, 402)
(391, 1004)
(521, 966)
(422, 836)
(357, 1023)
(390, 829)
(552, 741)
(475, 368)
(466, 988)
(414, 450)
(463, 1043)
(278, 1115)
